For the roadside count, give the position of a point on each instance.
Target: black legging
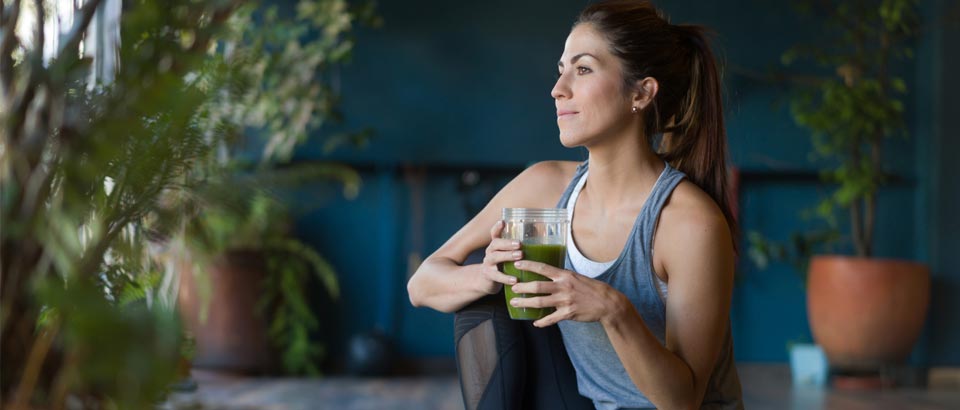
(507, 364)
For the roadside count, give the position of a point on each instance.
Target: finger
(496, 229)
(537, 286)
(535, 302)
(539, 267)
(494, 258)
(495, 275)
(551, 319)
(499, 244)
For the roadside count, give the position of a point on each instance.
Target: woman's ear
(646, 92)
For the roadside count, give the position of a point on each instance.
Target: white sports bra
(583, 265)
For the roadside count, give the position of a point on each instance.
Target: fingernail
(516, 243)
(513, 281)
(514, 302)
(516, 254)
(518, 264)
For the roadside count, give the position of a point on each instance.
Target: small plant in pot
(865, 311)
(245, 296)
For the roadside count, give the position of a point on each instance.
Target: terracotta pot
(866, 312)
(232, 337)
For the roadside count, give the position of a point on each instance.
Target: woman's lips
(564, 113)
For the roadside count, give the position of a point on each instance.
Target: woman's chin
(570, 141)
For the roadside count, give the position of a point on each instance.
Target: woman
(643, 302)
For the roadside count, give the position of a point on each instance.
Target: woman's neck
(621, 174)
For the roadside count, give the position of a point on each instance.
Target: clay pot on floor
(232, 337)
(866, 313)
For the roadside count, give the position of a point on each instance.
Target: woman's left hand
(576, 297)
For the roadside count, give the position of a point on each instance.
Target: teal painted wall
(455, 86)
(939, 108)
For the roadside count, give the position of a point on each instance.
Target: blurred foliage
(82, 165)
(796, 252)
(286, 303)
(851, 110)
(276, 70)
(98, 181)
(126, 354)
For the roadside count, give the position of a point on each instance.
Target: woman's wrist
(617, 309)
(477, 281)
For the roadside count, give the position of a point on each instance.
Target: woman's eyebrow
(575, 58)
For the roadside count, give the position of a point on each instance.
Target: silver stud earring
(635, 109)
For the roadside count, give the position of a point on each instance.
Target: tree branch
(76, 32)
(38, 353)
(8, 42)
(37, 188)
(38, 33)
(219, 16)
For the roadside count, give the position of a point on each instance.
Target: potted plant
(866, 312)
(272, 75)
(243, 293)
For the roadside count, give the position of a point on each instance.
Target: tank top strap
(581, 169)
(670, 179)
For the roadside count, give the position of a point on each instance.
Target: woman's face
(589, 94)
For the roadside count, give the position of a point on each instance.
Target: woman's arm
(443, 284)
(697, 253)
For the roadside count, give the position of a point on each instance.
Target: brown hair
(688, 108)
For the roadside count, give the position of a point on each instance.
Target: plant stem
(8, 43)
(856, 215)
(870, 201)
(41, 345)
(856, 218)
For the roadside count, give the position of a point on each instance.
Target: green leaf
(898, 84)
(789, 56)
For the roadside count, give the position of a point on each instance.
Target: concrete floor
(764, 387)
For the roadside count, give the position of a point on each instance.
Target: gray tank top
(601, 376)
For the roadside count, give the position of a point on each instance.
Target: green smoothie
(553, 255)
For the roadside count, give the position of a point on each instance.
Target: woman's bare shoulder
(691, 216)
(554, 171)
(542, 184)
(689, 202)
(554, 168)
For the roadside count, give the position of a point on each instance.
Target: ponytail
(695, 139)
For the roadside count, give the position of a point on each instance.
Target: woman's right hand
(499, 251)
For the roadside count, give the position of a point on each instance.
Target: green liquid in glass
(550, 254)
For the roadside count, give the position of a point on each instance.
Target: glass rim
(536, 213)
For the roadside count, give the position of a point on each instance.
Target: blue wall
(938, 110)
(455, 86)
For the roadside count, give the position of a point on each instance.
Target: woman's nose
(560, 89)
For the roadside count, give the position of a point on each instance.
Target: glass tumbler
(542, 233)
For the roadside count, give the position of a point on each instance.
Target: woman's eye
(582, 70)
